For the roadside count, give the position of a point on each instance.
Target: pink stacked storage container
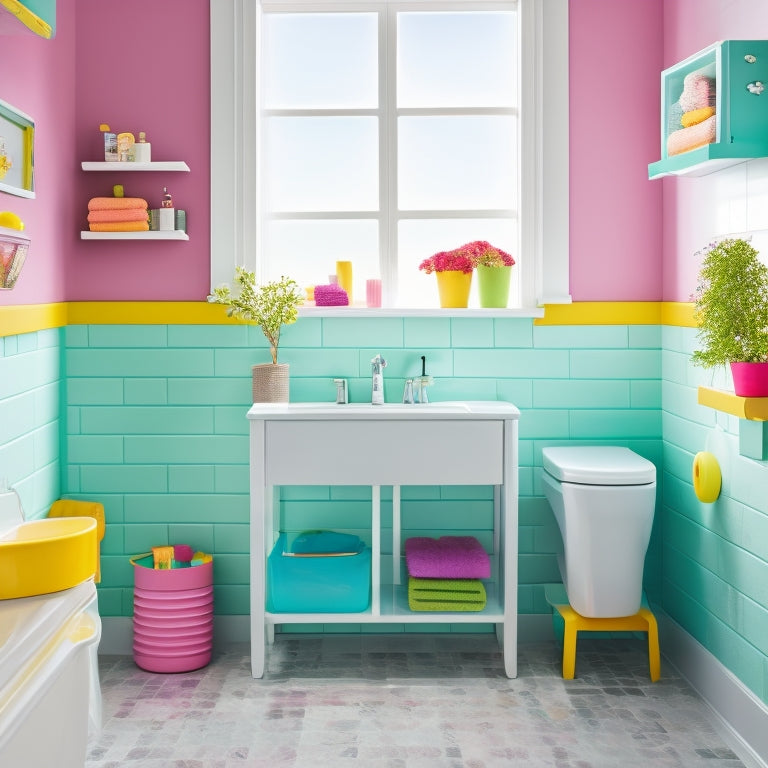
(172, 616)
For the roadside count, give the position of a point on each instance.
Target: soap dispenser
(377, 385)
(142, 149)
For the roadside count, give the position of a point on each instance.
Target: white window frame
(544, 137)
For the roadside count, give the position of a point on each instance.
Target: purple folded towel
(449, 557)
(330, 296)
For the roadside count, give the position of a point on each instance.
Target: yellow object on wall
(707, 478)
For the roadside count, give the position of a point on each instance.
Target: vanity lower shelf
(394, 610)
(175, 234)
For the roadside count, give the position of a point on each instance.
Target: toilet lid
(598, 465)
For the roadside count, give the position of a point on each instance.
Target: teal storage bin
(317, 584)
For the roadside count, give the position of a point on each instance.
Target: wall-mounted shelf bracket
(753, 419)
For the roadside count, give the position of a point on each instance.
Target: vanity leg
(395, 534)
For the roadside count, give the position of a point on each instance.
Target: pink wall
(38, 77)
(615, 60)
(690, 26)
(157, 81)
(154, 80)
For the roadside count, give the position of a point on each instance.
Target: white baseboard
(742, 715)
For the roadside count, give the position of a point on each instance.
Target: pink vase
(750, 379)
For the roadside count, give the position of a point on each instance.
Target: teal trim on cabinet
(739, 69)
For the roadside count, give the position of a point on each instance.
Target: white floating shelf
(167, 165)
(176, 234)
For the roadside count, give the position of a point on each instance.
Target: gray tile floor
(408, 701)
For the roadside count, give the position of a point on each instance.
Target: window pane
(321, 164)
(456, 60)
(419, 239)
(308, 250)
(320, 60)
(451, 163)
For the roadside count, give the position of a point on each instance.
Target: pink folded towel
(449, 557)
(124, 214)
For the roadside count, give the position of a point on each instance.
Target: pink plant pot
(750, 379)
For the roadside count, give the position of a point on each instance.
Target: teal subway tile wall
(157, 428)
(31, 418)
(150, 420)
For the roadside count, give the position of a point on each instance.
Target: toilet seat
(598, 465)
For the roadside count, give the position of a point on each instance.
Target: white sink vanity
(457, 443)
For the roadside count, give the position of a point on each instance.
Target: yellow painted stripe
(147, 313)
(37, 317)
(602, 313)
(31, 317)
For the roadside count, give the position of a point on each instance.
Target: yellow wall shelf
(753, 415)
(753, 408)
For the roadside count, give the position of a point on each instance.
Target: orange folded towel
(119, 226)
(116, 203)
(127, 214)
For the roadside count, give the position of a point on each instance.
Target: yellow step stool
(642, 621)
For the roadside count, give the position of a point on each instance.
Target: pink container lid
(194, 577)
(169, 665)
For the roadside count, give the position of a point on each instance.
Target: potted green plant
(731, 312)
(269, 306)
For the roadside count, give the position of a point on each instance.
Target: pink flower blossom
(466, 258)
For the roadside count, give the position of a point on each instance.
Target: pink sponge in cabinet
(330, 296)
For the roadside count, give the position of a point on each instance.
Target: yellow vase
(453, 286)
(344, 276)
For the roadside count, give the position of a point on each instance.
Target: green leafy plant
(270, 305)
(731, 305)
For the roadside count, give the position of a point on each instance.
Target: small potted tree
(731, 311)
(270, 306)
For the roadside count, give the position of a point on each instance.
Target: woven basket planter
(270, 383)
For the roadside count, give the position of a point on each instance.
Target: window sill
(425, 312)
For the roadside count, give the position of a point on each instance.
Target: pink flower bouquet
(466, 258)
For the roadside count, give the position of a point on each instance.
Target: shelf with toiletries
(116, 165)
(714, 112)
(295, 444)
(175, 234)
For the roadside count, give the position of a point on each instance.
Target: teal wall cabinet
(714, 109)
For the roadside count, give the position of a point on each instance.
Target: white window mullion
(388, 60)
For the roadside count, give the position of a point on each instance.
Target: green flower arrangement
(731, 305)
(270, 305)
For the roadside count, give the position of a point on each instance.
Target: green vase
(493, 286)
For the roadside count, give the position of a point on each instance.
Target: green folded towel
(446, 594)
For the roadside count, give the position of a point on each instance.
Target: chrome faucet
(377, 384)
(342, 392)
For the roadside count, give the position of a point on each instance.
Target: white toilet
(604, 499)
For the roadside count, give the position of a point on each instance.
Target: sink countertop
(456, 409)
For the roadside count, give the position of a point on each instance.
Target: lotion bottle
(142, 149)
(377, 385)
